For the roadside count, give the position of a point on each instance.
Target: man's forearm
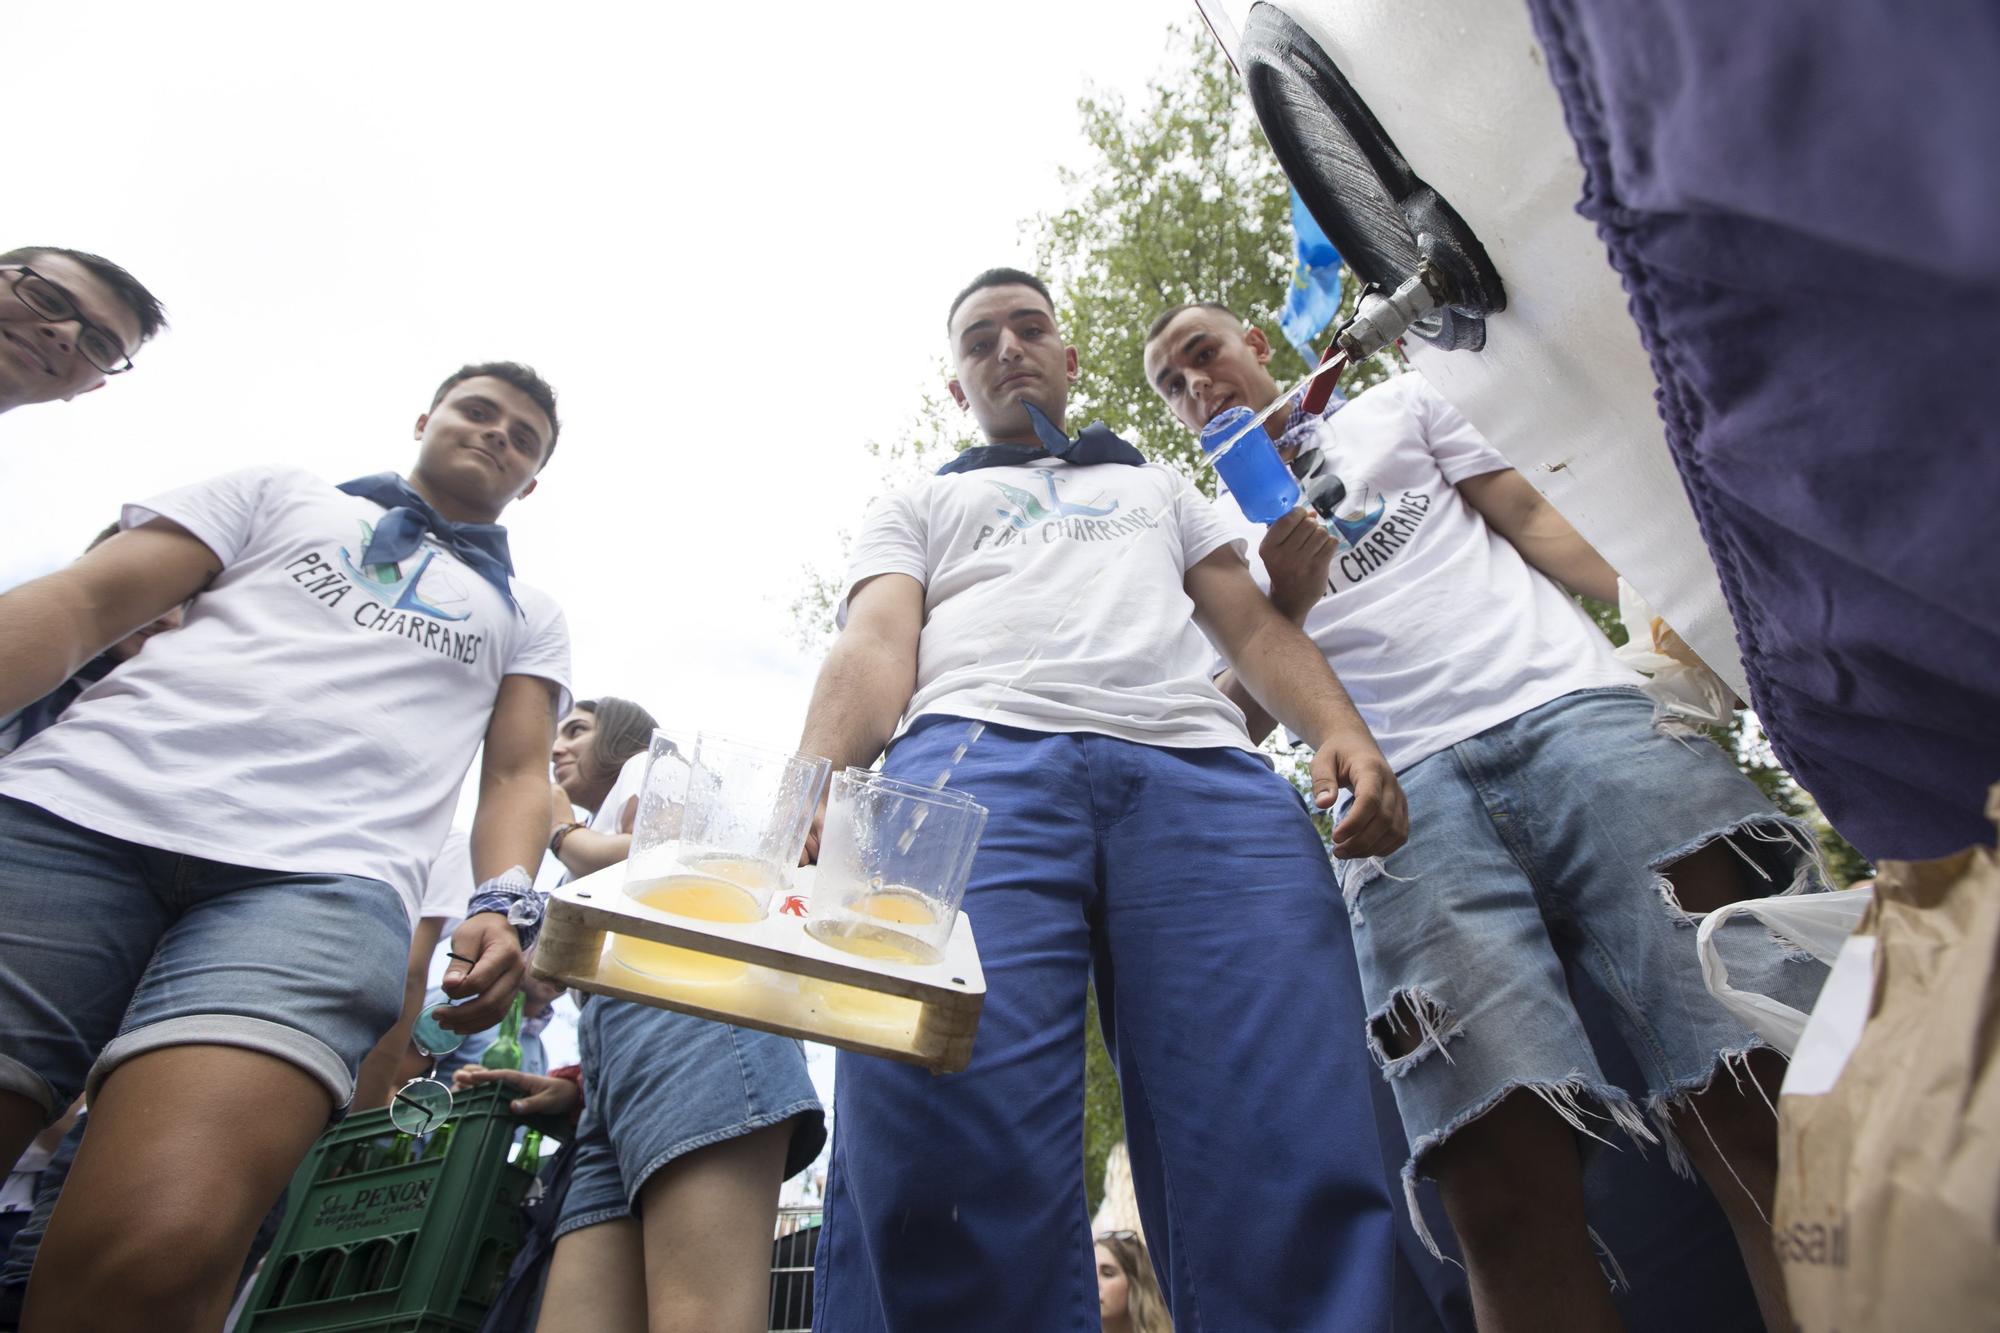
(1539, 532)
(862, 690)
(44, 638)
(1572, 562)
(1294, 606)
(511, 827)
(1284, 671)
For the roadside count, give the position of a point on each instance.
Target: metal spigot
(1380, 320)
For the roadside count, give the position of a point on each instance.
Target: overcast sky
(727, 235)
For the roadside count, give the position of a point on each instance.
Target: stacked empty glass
(716, 836)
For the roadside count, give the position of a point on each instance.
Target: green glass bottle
(401, 1149)
(505, 1052)
(530, 1159)
(440, 1143)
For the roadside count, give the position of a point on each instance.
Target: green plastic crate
(413, 1247)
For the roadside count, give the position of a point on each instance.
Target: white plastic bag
(1817, 922)
(1690, 695)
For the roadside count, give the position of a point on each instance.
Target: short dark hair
(998, 277)
(131, 293)
(521, 377)
(1167, 316)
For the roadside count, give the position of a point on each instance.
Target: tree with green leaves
(1183, 202)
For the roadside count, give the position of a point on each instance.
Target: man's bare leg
(1512, 1183)
(188, 1149)
(597, 1281)
(1730, 1131)
(1733, 1138)
(709, 1219)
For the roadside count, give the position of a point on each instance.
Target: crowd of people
(225, 946)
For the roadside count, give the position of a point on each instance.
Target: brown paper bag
(1887, 1217)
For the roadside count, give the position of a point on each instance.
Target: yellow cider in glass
(903, 907)
(893, 907)
(703, 898)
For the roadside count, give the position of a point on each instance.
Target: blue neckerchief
(1096, 444)
(398, 533)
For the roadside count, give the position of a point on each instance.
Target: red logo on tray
(793, 905)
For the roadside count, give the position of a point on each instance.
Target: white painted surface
(1563, 388)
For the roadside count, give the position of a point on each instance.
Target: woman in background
(1128, 1295)
(689, 1127)
(598, 761)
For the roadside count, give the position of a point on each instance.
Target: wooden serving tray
(795, 986)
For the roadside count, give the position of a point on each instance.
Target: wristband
(562, 831)
(513, 895)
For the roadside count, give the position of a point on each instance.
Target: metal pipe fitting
(1379, 320)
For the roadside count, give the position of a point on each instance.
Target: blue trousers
(1190, 884)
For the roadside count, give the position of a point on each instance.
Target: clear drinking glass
(745, 818)
(656, 828)
(893, 861)
(742, 822)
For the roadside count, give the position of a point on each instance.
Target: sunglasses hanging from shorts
(422, 1104)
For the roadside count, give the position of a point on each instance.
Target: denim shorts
(657, 1084)
(1536, 850)
(110, 949)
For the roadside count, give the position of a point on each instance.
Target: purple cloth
(1803, 201)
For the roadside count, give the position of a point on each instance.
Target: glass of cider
(699, 897)
(746, 813)
(894, 858)
(718, 824)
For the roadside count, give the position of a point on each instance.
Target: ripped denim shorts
(1536, 852)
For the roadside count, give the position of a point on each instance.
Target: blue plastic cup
(1263, 486)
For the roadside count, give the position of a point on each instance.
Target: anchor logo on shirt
(391, 585)
(1029, 509)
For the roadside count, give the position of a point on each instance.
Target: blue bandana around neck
(1096, 444)
(398, 533)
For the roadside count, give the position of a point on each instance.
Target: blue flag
(1314, 298)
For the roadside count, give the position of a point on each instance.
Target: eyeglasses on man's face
(52, 301)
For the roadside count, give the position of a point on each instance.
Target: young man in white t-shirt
(210, 864)
(1035, 606)
(1554, 829)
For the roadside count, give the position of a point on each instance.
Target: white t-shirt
(631, 778)
(311, 716)
(1084, 564)
(1433, 621)
(449, 884)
